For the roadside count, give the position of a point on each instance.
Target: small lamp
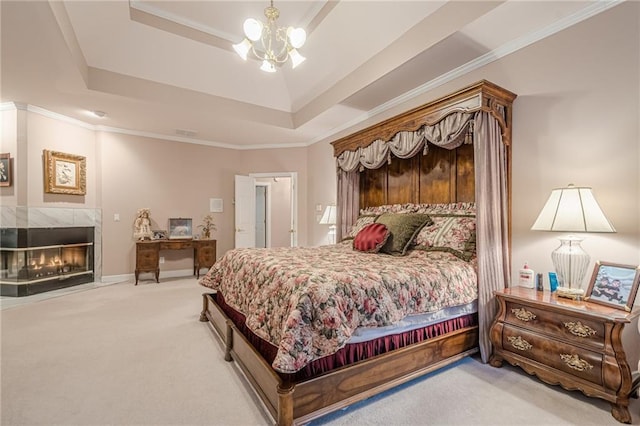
(329, 218)
(571, 209)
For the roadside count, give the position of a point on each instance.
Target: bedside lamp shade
(571, 209)
(329, 218)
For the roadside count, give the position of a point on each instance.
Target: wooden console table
(148, 254)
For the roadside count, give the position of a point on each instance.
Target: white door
(245, 217)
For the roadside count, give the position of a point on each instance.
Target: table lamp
(329, 218)
(571, 209)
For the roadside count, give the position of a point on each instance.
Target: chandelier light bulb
(296, 58)
(243, 48)
(268, 66)
(252, 29)
(297, 37)
(269, 43)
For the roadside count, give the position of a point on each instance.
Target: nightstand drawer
(562, 356)
(582, 331)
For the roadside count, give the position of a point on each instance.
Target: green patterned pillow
(403, 228)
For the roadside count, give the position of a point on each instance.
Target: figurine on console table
(142, 225)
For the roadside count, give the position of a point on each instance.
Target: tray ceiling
(166, 68)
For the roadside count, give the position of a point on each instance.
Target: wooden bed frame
(302, 401)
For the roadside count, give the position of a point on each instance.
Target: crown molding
(8, 106)
(11, 106)
(60, 117)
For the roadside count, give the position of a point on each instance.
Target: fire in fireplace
(35, 260)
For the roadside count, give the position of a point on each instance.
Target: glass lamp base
(570, 262)
(570, 293)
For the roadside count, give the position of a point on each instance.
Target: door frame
(294, 199)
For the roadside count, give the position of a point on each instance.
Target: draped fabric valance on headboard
(483, 111)
(449, 133)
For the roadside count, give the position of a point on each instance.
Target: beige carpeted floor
(127, 355)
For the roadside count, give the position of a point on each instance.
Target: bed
(291, 318)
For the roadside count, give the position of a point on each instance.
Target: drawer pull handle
(523, 315)
(519, 343)
(579, 329)
(574, 361)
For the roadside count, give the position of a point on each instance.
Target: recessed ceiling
(166, 68)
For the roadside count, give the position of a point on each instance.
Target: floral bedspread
(308, 301)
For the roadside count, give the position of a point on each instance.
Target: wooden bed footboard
(301, 402)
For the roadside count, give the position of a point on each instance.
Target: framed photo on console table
(64, 173)
(180, 228)
(614, 285)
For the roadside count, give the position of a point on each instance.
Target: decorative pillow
(361, 222)
(468, 208)
(403, 228)
(371, 238)
(389, 208)
(456, 209)
(455, 234)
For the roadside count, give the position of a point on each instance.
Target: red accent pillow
(371, 238)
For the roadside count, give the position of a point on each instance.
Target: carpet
(137, 355)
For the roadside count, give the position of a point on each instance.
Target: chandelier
(277, 44)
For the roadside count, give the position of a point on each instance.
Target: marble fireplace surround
(54, 217)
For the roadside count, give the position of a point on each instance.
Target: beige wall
(9, 144)
(172, 179)
(575, 120)
(321, 187)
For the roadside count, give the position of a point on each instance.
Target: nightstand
(577, 345)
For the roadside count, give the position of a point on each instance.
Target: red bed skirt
(350, 353)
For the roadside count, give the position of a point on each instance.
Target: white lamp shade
(252, 29)
(296, 58)
(297, 37)
(572, 209)
(242, 48)
(329, 215)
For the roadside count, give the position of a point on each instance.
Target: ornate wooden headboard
(443, 176)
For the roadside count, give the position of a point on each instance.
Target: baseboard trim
(114, 279)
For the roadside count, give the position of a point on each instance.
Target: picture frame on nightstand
(614, 285)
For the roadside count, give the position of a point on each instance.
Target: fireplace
(35, 260)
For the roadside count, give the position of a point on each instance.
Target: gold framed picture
(5, 169)
(64, 173)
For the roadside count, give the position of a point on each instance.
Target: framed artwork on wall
(614, 285)
(5, 169)
(64, 173)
